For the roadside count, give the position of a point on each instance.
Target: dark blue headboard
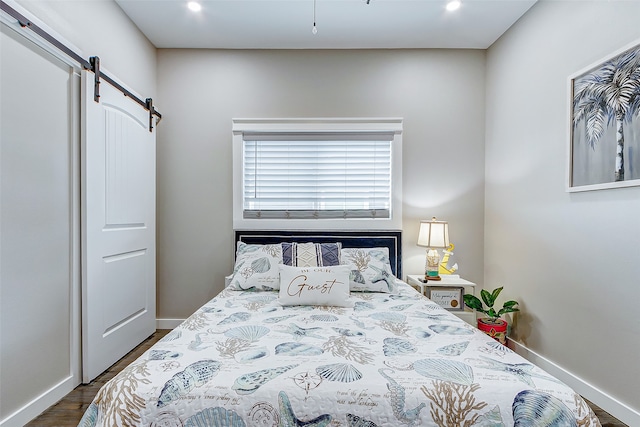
(349, 239)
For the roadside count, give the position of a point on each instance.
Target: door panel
(118, 207)
(126, 298)
(125, 182)
(39, 228)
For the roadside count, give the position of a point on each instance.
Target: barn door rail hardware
(93, 64)
(147, 104)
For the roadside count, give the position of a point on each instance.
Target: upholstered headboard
(349, 239)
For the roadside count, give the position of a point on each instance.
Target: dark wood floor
(68, 411)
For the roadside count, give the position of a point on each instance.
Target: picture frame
(601, 139)
(448, 297)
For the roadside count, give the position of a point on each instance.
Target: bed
(384, 356)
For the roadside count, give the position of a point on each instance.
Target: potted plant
(491, 325)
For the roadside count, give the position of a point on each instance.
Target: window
(322, 176)
(293, 172)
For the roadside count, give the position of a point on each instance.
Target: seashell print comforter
(391, 360)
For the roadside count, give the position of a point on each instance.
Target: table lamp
(433, 235)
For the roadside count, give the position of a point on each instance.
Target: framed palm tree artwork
(605, 123)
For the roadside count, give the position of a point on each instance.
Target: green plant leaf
(507, 310)
(473, 302)
(495, 293)
(510, 303)
(487, 298)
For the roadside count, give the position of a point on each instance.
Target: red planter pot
(496, 329)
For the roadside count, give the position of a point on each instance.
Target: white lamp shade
(434, 234)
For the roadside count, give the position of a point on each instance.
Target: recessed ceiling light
(453, 5)
(194, 6)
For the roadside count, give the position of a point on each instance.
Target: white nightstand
(468, 315)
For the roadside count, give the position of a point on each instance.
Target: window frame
(318, 125)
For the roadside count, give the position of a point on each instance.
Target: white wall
(571, 259)
(39, 286)
(439, 93)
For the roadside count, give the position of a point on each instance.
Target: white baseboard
(168, 323)
(616, 408)
(38, 405)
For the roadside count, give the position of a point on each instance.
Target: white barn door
(118, 227)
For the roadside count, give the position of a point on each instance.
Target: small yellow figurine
(442, 268)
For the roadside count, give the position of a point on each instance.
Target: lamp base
(432, 278)
(432, 265)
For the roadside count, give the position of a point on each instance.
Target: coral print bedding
(244, 359)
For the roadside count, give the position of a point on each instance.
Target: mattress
(243, 359)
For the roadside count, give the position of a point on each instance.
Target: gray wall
(439, 93)
(101, 28)
(39, 317)
(571, 259)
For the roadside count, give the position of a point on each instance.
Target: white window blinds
(322, 175)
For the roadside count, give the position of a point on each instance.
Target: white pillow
(256, 267)
(315, 285)
(370, 270)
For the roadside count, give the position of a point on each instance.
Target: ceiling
(341, 24)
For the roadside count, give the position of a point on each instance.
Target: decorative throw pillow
(315, 286)
(256, 267)
(311, 254)
(370, 270)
